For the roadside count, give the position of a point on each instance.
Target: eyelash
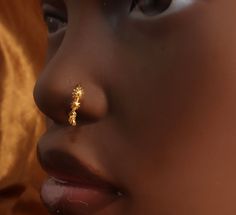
(150, 7)
(158, 8)
(139, 8)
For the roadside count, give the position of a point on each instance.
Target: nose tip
(55, 99)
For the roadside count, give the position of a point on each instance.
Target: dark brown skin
(159, 114)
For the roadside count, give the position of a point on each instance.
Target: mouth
(73, 187)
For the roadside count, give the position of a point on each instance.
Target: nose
(85, 57)
(53, 95)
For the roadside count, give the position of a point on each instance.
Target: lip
(73, 187)
(65, 198)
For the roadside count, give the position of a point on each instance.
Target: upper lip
(63, 165)
(68, 169)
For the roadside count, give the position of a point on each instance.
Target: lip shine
(63, 198)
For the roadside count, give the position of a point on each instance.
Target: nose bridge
(95, 22)
(92, 35)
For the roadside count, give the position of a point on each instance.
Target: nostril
(55, 102)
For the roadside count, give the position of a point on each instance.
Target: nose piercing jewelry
(77, 95)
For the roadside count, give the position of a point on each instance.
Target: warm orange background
(22, 48)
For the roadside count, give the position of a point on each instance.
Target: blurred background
(22, 53)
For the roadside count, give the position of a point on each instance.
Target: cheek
(179, 110)
(183, 80)
(196, 88)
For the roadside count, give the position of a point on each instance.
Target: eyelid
(50, 10)
(175, 7)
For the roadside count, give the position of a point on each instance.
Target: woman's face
(158, 117)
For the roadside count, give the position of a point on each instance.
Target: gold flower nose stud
(77, 95)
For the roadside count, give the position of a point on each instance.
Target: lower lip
(62, 198)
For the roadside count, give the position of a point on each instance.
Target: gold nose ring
(77, 95)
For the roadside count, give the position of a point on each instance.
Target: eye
(55, 19)
(158, 7)
(54, 23)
